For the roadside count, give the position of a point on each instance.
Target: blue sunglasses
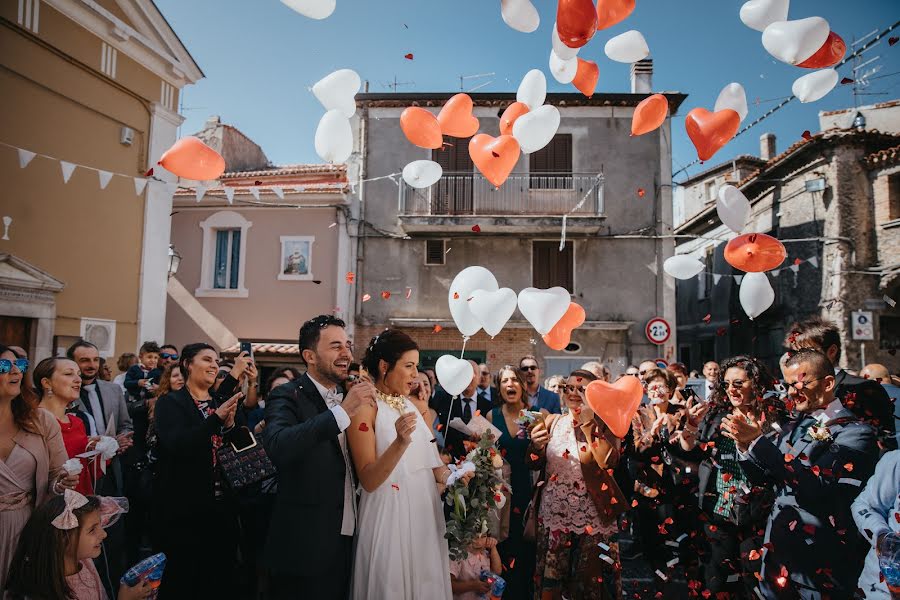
(6, 365)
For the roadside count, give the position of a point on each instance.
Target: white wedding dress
(401, 552)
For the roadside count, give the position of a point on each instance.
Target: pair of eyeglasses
(571, 389)
(6, 365)
(168, 356)
(802, 386)
(733, 384)
(528, 368)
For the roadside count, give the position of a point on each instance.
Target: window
(550, 167)
(108, 58)
(224, 256)
(894, 197)
(434, 252)
(711, 191)
(228, 259)
(29, 14)
(551, 267)
(705, 278)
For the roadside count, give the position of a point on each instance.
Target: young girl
(54, 558)
(464, 574)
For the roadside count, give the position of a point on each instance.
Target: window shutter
(551, 166)
(552, 267)
(434, 252)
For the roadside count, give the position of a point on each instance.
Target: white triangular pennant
(201, 191)
(738, 278)
(653, 268)
(25, 157)
(794, 268)
(278, 192)
(229, 194)
(139, 184)
(716, 278)
(255, 192)
(105, 176)
(300, 189)
(814, 261)
(67, 170)
(775, 272)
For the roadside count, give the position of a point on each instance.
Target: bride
(401, 551)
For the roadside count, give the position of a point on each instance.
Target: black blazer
(445, 403)
(302, 441)
(868, 400)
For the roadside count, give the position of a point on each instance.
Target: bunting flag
(104, 176)
(716, 278)
(255, 191)
(814, 261)
(25, 157)
(300, 189)
(738, 278)
(794, 268)
(278, 192)
(229, 194)
(67, 170)
(201, 190)
(775, 272)
(139, 184)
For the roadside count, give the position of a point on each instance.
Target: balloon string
(463, 351)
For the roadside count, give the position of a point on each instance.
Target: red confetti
(848, 467)
(788, 457)
(395, 486)
(754, 555)
(713, 528)
(366, 297)
(897, 517)
(846, 80)
(893, 40)
(534, 457)
(149, 173)
(641, 192)
(806, 135)
(726, 477)
(634, 503)
(456, 295)
(588, 529)
(350, 276)
(439, 426)
(476, 228)
(385, 295)
(408, 293)
(792, 524)
(363, 427)
(437, 329)
(816, 470)
(613, 500)
(721, 331)
(408, 56)
(707, 318)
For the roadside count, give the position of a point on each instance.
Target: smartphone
(248, 348)
(242, 439)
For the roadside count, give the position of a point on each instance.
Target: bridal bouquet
(472, 504)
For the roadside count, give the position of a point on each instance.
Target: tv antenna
(862, 74)
(464, 78)
(394, 85)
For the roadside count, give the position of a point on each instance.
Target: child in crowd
(57, 548)
(465, 574)
(141, 379)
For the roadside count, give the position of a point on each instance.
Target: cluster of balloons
(190, 158)
(337, 93)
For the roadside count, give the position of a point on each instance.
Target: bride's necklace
(395, 401)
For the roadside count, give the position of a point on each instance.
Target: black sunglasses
(571, 389)
(169, 356)
(529, 368)
(6, 365)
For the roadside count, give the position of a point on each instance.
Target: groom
(310, 542)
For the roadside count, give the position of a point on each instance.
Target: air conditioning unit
(101, 333)
(126, 136)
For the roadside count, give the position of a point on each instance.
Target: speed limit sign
(658, 330)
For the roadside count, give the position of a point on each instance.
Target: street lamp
(174, 260)
(859, 121)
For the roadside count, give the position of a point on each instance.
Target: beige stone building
(96, 84)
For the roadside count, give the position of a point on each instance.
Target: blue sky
(260, 58)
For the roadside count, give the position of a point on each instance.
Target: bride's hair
(389, 346)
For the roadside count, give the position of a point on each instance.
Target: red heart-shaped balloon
(831, 53)
(495, 157)
(615, 403)
(610, 12)
(586, 77)
(509, 116)
(709, 131)
(456, 117)
(421, 128)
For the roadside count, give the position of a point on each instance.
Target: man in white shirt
(485, 387)
(711, 375)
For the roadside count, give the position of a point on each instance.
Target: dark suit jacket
(811, 528)
(302, 442)
(446, 403)
(868, 400)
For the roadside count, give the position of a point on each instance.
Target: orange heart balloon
(509, 116)
(495, 157)
(456, 118)
(610, 12)
(576, 22)
(754, 252)
(421, 128)
(561, 334)
(831, 53)
(615, 403)
(709, 131)
(189, 158)
(586, 77)
(649, 114)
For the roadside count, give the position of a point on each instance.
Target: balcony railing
(543, 194)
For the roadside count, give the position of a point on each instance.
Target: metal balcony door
(454, 193)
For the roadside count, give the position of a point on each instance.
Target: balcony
(526, 202)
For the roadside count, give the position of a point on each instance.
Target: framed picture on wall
(296, 258)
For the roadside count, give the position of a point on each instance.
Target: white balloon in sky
(628, 47)
(815, 85)
(521, 15)
(756, 294)
(563, 70)
(338, 91)
(422, 173)
(535, 129)
(533, 89)
(334, 138)
(682, 266)
(733, 208)
(734, 97)
(314, 9)
(795, 41)
(562, 51)
(759, 14)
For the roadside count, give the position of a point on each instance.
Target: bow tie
(334, 396)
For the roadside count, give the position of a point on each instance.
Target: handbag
(242, 468)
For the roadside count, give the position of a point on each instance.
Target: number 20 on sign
(658, 331)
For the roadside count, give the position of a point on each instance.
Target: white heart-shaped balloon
(493, 309)
(815, 85)
(334, 138)
(759, 14)
(454, 374)
(338, 90)
(533, 89)
(467, 281)
(682, 266)
(733, 208)
(544, 308)
(314, 9)
(422, 173)
(521, 15)
(756, 294)
(628, 47)
(536, 128)
(795, 41)
(562, 51)
(734, 97)
(563, 70)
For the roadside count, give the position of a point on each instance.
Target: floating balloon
(456, 118)
(733, 208)
(334, 138)
(509, 116)
(533, 90)
(576, 22)
(338, 91)
(759, 14)
(521, 15)
(710, 131)
(535, 129)
(421, 128)
(467, 281)
(563, 71)
(734, 97)
(615, 403)
(544, 308)
(454, 374)
(189, 158)
(756, 294)
(612, 12)
(561, 334)
(682, 266)
(493, 309)
(562, 51)
(649, 114)
(628, 47)
(754, 252)
(422, 173)
(495, 157)
(831, 53)
(815, 85)
(586, 77)
(795, 41)
(314, 9)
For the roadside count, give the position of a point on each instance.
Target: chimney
(642, 76)
(767, 146)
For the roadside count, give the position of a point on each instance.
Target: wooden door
(453, 194)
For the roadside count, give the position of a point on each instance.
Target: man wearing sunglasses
(168, 355)
(538, 397)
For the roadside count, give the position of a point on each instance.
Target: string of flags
(794, 267)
